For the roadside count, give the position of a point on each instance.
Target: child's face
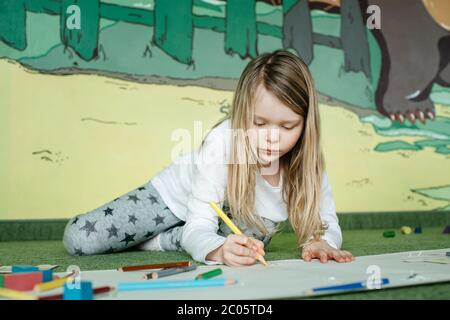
(275, 128)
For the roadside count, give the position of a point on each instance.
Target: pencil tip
(262, 260)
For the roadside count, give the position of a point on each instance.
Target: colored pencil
(16, 295)
(168, 272)
(347, 286)
(58, 283)
(157, 266)
(209, 274)
(232, 226)
(173, 284)
(61, 296)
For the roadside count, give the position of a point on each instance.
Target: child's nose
(273, 135)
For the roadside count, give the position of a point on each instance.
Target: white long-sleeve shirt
(193, 180)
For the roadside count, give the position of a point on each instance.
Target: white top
(193, 180)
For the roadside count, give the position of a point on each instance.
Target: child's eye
(288, 128)
(258, 124)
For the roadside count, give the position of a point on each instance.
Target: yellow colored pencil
(232, 226)
(17, 295)
(46, 286)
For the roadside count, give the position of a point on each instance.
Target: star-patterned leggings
(127, 221)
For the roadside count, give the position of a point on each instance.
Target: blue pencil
(173, 284)
(348, 286)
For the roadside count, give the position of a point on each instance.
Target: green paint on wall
(395, 145)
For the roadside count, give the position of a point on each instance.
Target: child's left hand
(323, 251)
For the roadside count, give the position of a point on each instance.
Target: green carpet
(359, 242)
(53, 229)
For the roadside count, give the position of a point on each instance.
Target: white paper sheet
(285, 278)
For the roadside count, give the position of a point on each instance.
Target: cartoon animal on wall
(414, 38)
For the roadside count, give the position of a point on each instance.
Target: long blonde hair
(287, 77)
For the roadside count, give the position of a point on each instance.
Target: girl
(263, 165)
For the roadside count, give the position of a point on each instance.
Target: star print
(132, 218)
(158, 219)
(110, 250)
(153, 199)
(148, 234)
(75, 221)
(112, 231)
(108, 211)
(78, 252)
(141, 188)
(128, 238)
(133, 198)
(89, 227)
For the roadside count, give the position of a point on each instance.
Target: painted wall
(87, 115)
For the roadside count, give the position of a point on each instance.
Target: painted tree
(354, 38)
(13, 23)
(240, 28)
(80, 25)
(297, 28)
(174, 28)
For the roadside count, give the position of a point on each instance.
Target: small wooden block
(47, 275)
(2, 281)
(406, 230)
(22, 281)
(78, 291)
(18, 269)
(389, 234)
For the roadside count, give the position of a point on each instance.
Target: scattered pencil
(169, 272)
(173, 284)
(16, 295)
(209, 274)
(232, 226)
(157, 266)
(58, 283)
(346, 286)
(98, 290)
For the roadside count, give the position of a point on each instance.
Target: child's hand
(323, 251)
(240, 250)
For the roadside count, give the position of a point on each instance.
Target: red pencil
(61, 296)
(157, 266)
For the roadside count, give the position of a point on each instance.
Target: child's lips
(269, 151)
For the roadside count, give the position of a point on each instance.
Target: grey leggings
(134, 218)
(127, 221)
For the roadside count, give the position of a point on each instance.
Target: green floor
(359, 242)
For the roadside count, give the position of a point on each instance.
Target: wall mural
(92, 92)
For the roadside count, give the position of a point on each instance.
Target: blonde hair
(287, 77)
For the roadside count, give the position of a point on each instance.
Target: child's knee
(75, 242)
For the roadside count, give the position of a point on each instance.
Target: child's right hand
(240, 250)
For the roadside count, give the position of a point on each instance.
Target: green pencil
(209, 274)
